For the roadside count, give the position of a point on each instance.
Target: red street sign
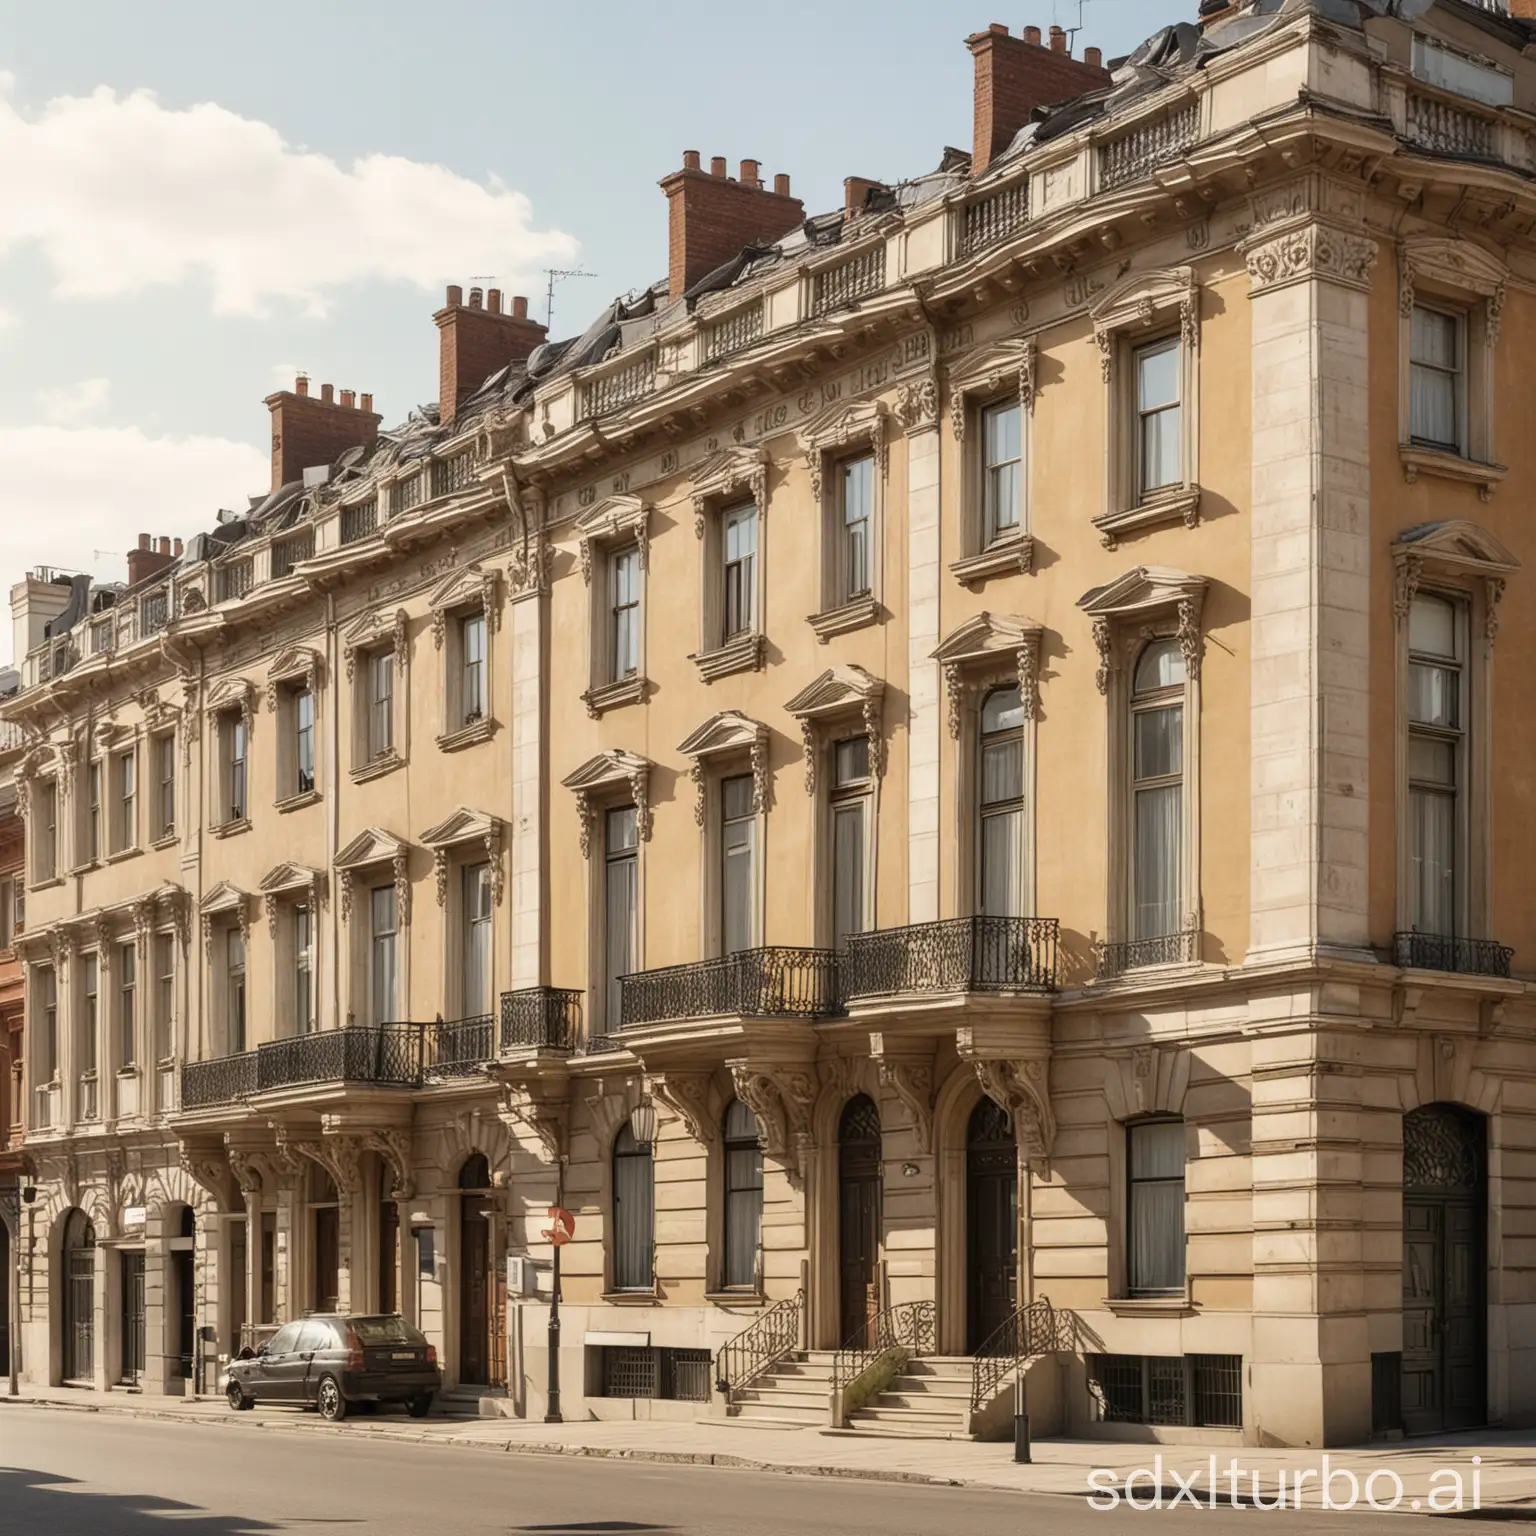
(564, 1228)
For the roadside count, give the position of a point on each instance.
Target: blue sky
(196, 199)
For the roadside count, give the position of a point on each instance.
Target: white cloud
(122, 193)
(65, 493)
(74, 402)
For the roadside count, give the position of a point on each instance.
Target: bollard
(1021, 1437)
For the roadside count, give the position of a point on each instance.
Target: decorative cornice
(1312, 251)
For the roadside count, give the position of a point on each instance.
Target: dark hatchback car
(333, 1362)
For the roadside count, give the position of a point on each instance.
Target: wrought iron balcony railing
(1443, 952)
(389, 1054)
(1141, 954)
(968, 954)
(540, 1018)
(289, 552)
(359, 520)
(760, 983)
(224, 1080)
(460, 1047)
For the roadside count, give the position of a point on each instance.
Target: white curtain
(1159, 829)
(634, 1213)
(848, 874)
(1156, 1258)
(1001, 879)
(743, 1195)
(738, 872)
(383, 912)
(1436, 362)
(1432, 821)
(477, 940)
(619, 921)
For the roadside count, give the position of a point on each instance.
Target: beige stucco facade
(1282, 216)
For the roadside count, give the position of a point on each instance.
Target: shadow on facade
(42, 1501)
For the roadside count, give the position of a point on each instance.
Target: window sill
(742, 655)
(628, 690)
(632, 1298)
(1179, 506)
(736, 1298)
(123, 853)
(1150, 1306)
(377, 767)
(1005, 557)
(126, 1072)
(858, 614)
(296, 802)
(165, 840)
(1451, 466)
(231, 828)
(45, 885)
(466, 736)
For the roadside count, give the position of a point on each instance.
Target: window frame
(234, 980)
(625, 856)
(1141, 704)
(748, 819)
(165, 997)
(468, 919)
(1133, 1289)
(94, 809)
(608, 532)
(859, 791)
(626, 1283)
(720, 653)
(470, 596)
(1015, 805)
(1457, 737)
(301, 957)
(375, 634)
(44, 866)
(163, 754)
(1145, 415)
(831, 441)
(1459, 319)
(233, 780)
(375, 1014)
(730, 1283)
(125, 800)
(125, 974)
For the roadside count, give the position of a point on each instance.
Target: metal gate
(80, 1313)
(133, 1317)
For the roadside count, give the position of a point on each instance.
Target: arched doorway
(474, 1273)
(991, 1223)
(1445, 1270)
(78, 1278)
(858, 1216)
(184, 1290)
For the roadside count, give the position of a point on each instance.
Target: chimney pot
(998, 26)
(711, 220)
(301, 384)
(1093, 56)
(164, 546)
(749, 170)
(455, 296)
(368, 403)
(781, 185)
(306, 431)
(1032, 35)
(1058, 40)
(717, 165)
(690, 159)
(519, 307)
(144, 541)
(476, 299)
(176, 548)
(349, 399)
(327, 394)
(493, 300)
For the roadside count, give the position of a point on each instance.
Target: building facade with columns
(962, 735)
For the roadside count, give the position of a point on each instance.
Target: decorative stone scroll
(980, 652)
(607, 776)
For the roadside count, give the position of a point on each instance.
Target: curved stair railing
(912, 1326)
(1031, 1331)
(758, 1349)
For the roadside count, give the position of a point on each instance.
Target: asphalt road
(71, 1474)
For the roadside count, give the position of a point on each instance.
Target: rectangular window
(850, 812)
(47, 840)
(1155, 1208)
(1157, 792)
(90, 1013)
(303, 970)
(304, 741)
(381, 705)
(858, 497)
(739, 546)
(165, 786)
(384, 935)
(93, 811)
(48, 1009)
(624, 578)
(127, 800)
(1001, 805)
(1438, 379)
(127, 991)
(7, 916)
(1159, 422)
(234, 768)
(472, 686)
(476, 983)
(234, 988)
(165, 995)
(1002, 467)
(1191, 1391)
(621, 904)
(1436, 759)
(738, 865)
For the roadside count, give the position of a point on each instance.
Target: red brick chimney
(307, 431)
(856, 190)
(1014, 75)
(476, 340)
(150, 558)
(712, 217)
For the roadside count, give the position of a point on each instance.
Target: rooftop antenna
(558, 275)
(1073, 31)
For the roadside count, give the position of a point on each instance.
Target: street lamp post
(10, 1218)
(552, 1408)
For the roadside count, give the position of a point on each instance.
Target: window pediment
(297, 664)
(840, 692)
(464, 828)
(472, 586)
(617, 520)
(609, 772)
(232, 693)
(728, 732)
(289, 879)
(981, 645)
(1453, 263)
(839, 427)
(1147, 592)
(1142, 301)
(1456, 548)
(225, 900)
(726, 472)
(370, 849)
(987, 370)
(375, 628)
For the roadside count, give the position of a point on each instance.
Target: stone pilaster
(529, 625)
(925, 689)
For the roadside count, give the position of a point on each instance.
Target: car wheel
(419, 1406)
(236, 1398)
(329, 1400)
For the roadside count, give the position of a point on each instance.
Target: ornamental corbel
(954, 691)
(700, 778)
(269, 901)
(402, 889)
(440, 874)
(1496, 314)
(1019, 1089)
(686, 1094)
(809, 749)
(584, 820)
(912, 1083)
(1106, 345)
(493, 858)
(760, 774)
(639, 786)
(1028, 660)
(346, 895)
(546, 1117)
(873, 730)
(439, 628)
(1493, 595)
(490, 599)
(1405, 584)
(917, 404)
(1189, 636)
(1189, 324)
(1103, 639)
(394, 1148)
(757, 1091)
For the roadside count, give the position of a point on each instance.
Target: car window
(316, 1335)
(285, 1340)
(386, 1330)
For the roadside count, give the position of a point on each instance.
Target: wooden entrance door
(1445, 1268)
(474, 1274)
(133, 1316)
(327, 1258)
(858, 1216)
(992, 1224)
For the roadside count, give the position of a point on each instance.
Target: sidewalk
(1506, 1475)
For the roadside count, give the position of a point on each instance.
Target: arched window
(743, 1196)
(476, 1173)
(1157, 792)
(1155, 1207)
(634, 1214)
(1000, 804)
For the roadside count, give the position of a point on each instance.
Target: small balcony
(459, 1047)
(1442, 952)
(386, 1055)
(1116, 960)
(967, 954)
(774, 983)
(540, 1019)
